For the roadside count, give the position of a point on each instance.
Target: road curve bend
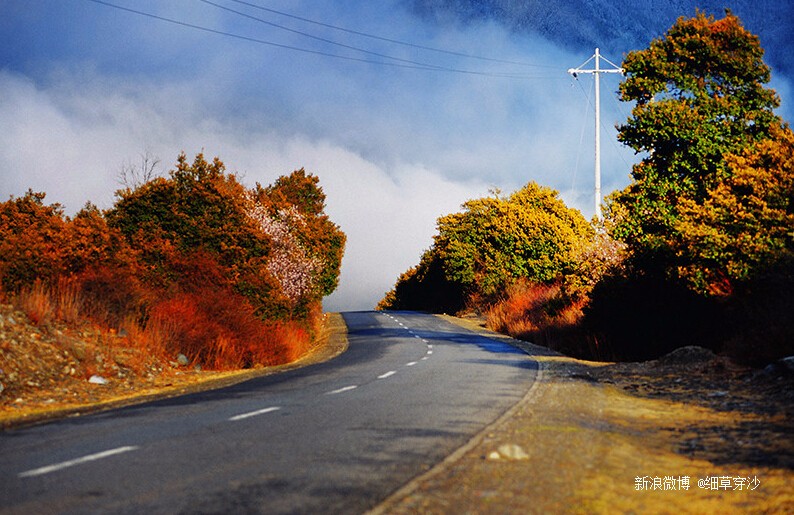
(336, 437)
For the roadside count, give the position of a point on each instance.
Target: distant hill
(618, 26)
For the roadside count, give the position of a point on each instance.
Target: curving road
(337, 437)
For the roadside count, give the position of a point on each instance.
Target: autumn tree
(495, 240)
(707, 217)
(32, 241)
(194, 263)
(274, 245)
(295, 204)
(745, 224)
(700, 96)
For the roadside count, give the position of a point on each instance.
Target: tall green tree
(700, 95)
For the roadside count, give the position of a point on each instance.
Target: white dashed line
(387, 374)
(412, 363)
(253, 413)
(65, 464)
(424, 358)
(343, 389)
(429, 352)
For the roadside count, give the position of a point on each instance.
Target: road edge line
(406, 490)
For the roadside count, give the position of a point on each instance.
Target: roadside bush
(33, 241)
(425, 287)
(193, 263)
(493, 242)
(545, 315)
(214, 328)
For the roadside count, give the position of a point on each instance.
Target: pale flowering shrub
(596, 258)
(288, 262)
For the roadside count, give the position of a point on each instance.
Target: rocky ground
(760, 401)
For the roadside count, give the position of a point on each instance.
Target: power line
(390, 40)
(317, 38)
(238, 36)
(350, 47)
(407, 65)
(581, 135)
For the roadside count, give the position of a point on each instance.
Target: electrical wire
(581, 136)
(317, 38)
(398, 63)
(390, 40)
(602, 124)
(245, 38)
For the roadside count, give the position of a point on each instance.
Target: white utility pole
(596, 72)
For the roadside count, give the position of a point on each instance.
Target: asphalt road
(336, 437)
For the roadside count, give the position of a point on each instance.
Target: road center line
(387, 374)
(412, 363)
(253, 413)
(343, 389)
(77, 461)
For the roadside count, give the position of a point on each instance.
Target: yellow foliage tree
(746, 222)
(530, 234)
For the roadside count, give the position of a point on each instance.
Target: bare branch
(132, 176)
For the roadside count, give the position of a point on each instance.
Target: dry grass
(44, 369)
(214, 328)
(544, 315)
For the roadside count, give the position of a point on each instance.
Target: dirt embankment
(689, 433)
(57, 370)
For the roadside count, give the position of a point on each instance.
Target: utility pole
(597, 71)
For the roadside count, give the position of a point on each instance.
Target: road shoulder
(582, 442)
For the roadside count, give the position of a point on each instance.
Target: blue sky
(87, 88)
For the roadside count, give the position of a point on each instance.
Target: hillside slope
(618, 26)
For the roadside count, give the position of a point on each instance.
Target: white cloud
(71, 143)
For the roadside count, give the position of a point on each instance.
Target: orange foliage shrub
(543, 314)
(32, 241)
(197, 327)
(218, 329)
(184, 264)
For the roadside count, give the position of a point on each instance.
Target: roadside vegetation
(697, 250)
(192, 269)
